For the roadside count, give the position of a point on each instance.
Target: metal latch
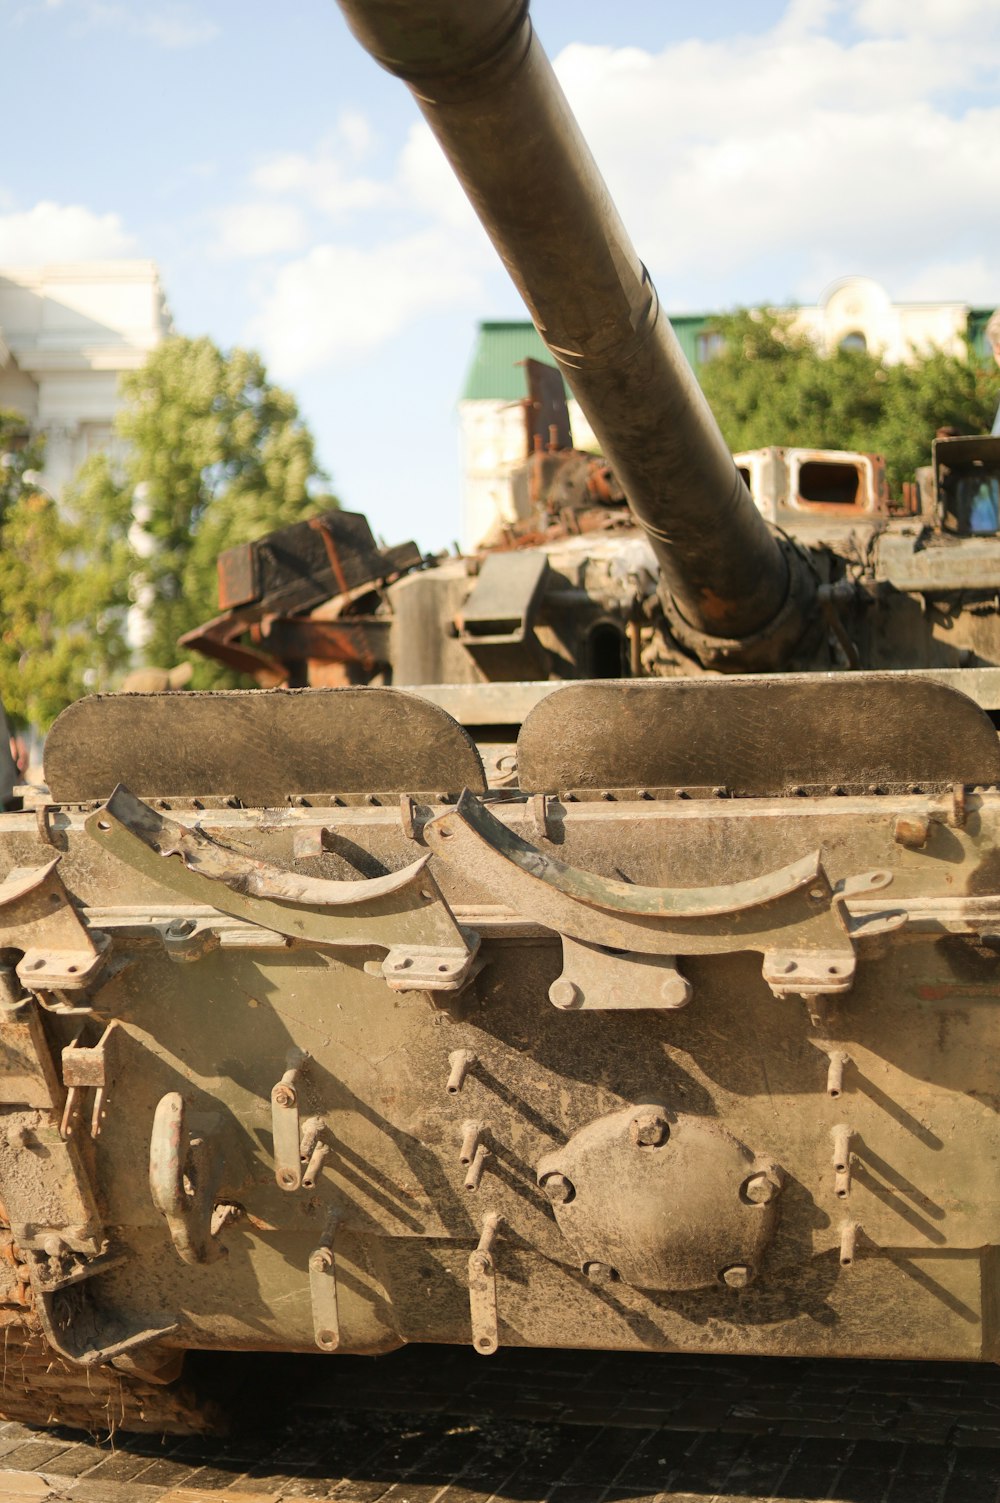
(483, 1289)
(86, 1069)
(323, 1288)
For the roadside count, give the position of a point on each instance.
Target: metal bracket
(37, 917)
(794, 916)
(402, 913)
(47, 1186)
(323, 1288)
(596, 979)
(61, 1323)
(285, 1123)
(184, 1175)
(84, 1069)
(483, 1290)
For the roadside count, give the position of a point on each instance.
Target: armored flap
(259, 746)
(758, 737)
(497, 619)
(298, 566)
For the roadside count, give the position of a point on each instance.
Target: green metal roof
(495, 374)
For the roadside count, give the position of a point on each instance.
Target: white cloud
(972, 280)
(820, 156)
(429, 183)
(342, 300)
(757, 167)
(259, 229)
(910, 17)
(62, 232)
(171, 25)
(175, 26)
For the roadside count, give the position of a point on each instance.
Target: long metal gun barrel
(490, 96)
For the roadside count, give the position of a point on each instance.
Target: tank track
(38, 1387)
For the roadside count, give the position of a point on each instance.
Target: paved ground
(434, 1425)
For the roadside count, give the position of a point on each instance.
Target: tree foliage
(207, 453)
(770, 385)
(42, 644)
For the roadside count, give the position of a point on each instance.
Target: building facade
(855, 312)
(67, 333)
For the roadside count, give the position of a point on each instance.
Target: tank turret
(480, 76)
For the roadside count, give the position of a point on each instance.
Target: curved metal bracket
(184, 1175)
(37, 917)
(794, 916)
(403, 913)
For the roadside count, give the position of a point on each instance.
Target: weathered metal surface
(402, 913)
(184, 1177)
(553, 1080)
(793, 916)
(510, 704)
(415, 1120)
(664, 1201)
(593, 302)
(258, 749)
(757, 737)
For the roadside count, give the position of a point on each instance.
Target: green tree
(208, 453)
(42, 656)
(770, 385)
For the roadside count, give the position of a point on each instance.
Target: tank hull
(660, 1068)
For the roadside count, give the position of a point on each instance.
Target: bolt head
(565, 993)
(649, 1129)
(601, 1273)
(911, 830)
(558, 1188)
(761, 1189)
(737, 1277)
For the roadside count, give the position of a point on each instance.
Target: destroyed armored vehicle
(566, 584)
(683, 1039)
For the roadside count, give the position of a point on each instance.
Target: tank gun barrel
(488, 92)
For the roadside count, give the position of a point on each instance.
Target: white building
(67, 333)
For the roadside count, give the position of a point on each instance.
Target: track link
(38, 1387)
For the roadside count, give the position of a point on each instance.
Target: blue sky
(295, 202)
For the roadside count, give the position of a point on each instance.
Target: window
(855, 340)
(707, 346)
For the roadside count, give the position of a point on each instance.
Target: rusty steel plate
(757, 737)
(258, 746)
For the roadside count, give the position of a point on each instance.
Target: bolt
(601, 1273)
(737, 1277)
(475, 1174)
(470, 1141)
(565, 993)
(180, 928)
(911, 830)
(460, 1060)
(558, 1188)
(283, 1095)
(848, 1243)
(649, 1129)
(761, 1189)
(841, 1135)
(835, 1074)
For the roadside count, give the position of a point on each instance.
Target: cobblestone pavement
(439, 1425)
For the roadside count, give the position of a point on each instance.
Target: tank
(681, 1039)
(565, 584)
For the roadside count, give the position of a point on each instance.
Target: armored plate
(259, 746)
(757, 737)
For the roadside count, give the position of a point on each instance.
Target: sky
(758, 150)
